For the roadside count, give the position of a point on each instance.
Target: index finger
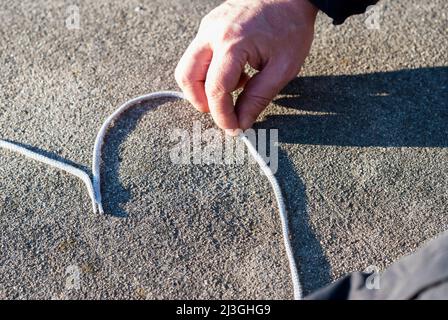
(191, 72)
(223, 77)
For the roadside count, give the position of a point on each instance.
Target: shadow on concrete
(314, 268)
(115, 195)
(406, 108)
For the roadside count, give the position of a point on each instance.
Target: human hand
(272, 36)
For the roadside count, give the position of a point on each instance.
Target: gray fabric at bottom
(422, 275)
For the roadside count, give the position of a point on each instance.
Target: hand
(272, 36)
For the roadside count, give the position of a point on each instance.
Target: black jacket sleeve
(339, 10)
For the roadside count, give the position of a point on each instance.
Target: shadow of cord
(405, 108)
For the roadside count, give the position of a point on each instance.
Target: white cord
(283, 215)
(53, 163)
(96, 160)
(95, 189)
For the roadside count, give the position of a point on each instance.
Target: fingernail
(232, 132)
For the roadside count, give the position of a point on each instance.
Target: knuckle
(258, 104)
(231, 33)
(233, 48)
(258, 100)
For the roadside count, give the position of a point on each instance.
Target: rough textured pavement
(363, 156)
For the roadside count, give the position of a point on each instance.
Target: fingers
(208, 78)
(224, 75)
(259, 91)
(191, 72)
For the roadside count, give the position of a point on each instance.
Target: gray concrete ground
(363, 156)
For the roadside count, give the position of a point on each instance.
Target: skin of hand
(272, 36)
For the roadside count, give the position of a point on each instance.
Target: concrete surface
(363, 156)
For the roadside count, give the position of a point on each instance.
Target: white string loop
(94, 190)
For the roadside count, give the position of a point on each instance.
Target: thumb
(259, 91)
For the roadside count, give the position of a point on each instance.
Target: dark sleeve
(421, 275)
(339, 10)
